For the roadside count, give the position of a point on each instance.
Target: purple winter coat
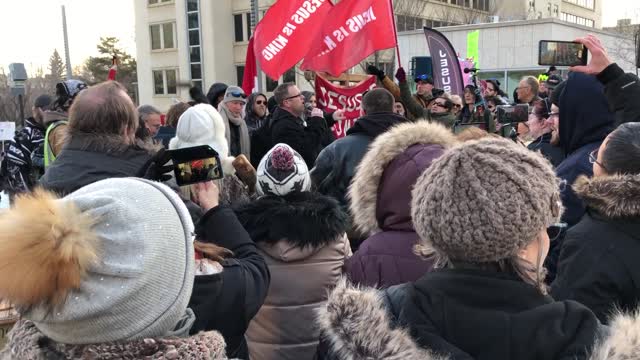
(381, 203)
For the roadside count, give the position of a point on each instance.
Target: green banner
(473, 51)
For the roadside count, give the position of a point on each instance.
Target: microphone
(467, 70)
(308, 107)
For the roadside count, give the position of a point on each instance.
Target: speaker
(421, 65)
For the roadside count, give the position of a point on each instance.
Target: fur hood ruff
(27, 342)
(364, 188)
(613, 196)
(304, 219)
(357, 326)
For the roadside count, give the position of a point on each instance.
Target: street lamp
(17, 78)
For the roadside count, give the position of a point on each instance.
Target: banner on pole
(446, 68)
(335, 97)
(473, 52)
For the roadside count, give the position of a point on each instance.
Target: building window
(239, 75)
(589, 4)
(576, 19)
(482, 5)
(248, 22)
(288, 77)
(271, 84)
(238, 27)
(155, 2)
(195, 53)
(162, 36)
(408, 23)
(165, 82)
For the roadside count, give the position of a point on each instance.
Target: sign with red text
(332, 97)
(282, 37)
(352, 31)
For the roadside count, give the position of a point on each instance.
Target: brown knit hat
(485, 200)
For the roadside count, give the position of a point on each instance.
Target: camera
(512, 114)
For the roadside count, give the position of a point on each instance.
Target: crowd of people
(424, 233)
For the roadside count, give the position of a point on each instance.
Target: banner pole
(395, 33)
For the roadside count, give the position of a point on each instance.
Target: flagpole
(395, 32)
(255, 18)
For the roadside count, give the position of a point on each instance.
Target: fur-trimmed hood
(27, 342)
(614, 196)
(304, 219)
(366, 188)
(357, 325)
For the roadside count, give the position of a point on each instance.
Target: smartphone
(512, 114)
(196, 164)
(562, 53)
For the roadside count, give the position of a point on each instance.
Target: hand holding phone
(512, 114)
(196, 164)
(562, 53)
(599, 57)
(207, 195)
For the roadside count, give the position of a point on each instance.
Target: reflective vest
(49, 156)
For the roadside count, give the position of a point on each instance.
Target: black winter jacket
(622, 91)
(227, 301)
(598, 264)
(552, 153)
(290, 130)
(337, 163)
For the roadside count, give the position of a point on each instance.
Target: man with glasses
(288, 127)
(527, 90)
(424, 88)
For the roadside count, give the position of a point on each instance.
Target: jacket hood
(304, 219)
(214, 93)
(614, 196)
(357, 326)
(373, 125)
(27, 342)
(584, 113)
(251, 100)
(381, 188)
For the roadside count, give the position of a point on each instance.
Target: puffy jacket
(380, 203)
(302, 239)
(22, 171)
(598, 264)
(622, 91)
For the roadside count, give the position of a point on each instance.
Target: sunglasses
(458, 106)
(440, 105)
(260, 102)
(554, 231)
(237, 94)
(422, 77)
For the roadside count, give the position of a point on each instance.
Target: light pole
(17, 78)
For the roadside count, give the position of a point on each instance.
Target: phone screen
(196, 164)
(562, 53)
(511, 114)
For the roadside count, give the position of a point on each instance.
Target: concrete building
(185, 42)
(509, 50)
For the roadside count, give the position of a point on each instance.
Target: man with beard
(256, 110)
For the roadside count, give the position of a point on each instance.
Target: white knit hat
(130, 244)
(200, 125)
(282, 171)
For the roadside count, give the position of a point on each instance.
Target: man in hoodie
(216, 94)
(584, 121)
(256, 110)
(336, 164)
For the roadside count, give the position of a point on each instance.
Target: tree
(96, 69)
(35, 86)
(56, 67)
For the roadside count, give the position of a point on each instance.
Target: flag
(353, 30)
(250, 70)
(282, 37)
(446, 68)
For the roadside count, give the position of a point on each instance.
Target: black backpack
(260, 142)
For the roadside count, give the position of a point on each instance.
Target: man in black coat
(337, 163)
(287, 126)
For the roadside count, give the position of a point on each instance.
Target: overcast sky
(31, 29)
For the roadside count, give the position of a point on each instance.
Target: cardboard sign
(7, 130)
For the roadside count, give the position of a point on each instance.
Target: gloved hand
(401, 75)
(156, 169)
(372, 70)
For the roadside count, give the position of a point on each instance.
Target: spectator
(380, 198)
(236, 130)
(310, 103)
(487, 301)
(440, 109)
(539, 128)
(622, 90)
(151, 117)
(203, 125)
(598, 264)
(399, 108)
(493, 90)
(301, 235)
(216, 94)
(583, 124)
(167, 132)
(337, 163)
(424, 86)
(99, 277)
(474, 111)
(527, 90)
(457, 104)
(256, 111)
(56, 118)
(287, 126)
(25, 165)
(100, 141)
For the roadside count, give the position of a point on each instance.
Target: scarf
(229, 117)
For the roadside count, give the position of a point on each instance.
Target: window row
(590, 4)
(576, 19)
(408, 23)
(154, 2)
(289, 76)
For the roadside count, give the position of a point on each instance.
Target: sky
(34, 28)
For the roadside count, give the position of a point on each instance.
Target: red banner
(353, 30)
(335, 97)
(283, 36)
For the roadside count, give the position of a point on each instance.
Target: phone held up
(562, 53)
(196, 164)
(512, 114)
